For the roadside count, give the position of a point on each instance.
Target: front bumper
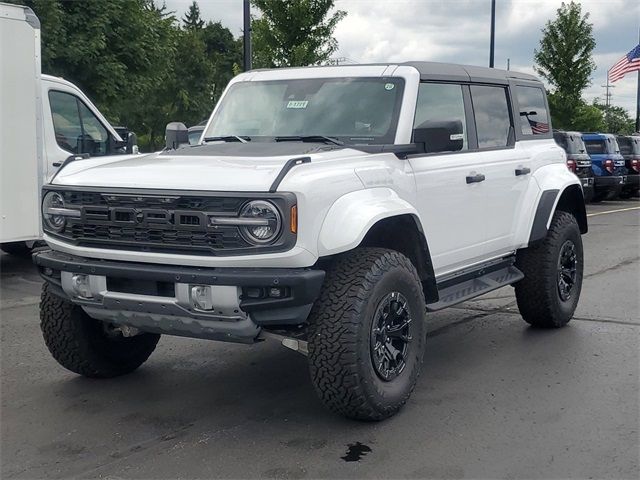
(156, 298)
(633, 183)
(609, 182)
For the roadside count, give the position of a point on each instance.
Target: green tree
(565, 59)
(588, 118)
(191, 19)
(615, 119)
(223, 51)
(294, 33)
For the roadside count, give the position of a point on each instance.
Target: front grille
(164, 223)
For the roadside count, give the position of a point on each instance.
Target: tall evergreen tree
(192, 19)
(565, 60)
(294, 32)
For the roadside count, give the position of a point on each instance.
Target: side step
(466, 290)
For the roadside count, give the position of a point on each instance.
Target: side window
(76, 128)
(491, 112)
(439, 102)
(96, 138)
(66, 120)
(534, 118)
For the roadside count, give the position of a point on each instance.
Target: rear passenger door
(507, 169)
(453, 211)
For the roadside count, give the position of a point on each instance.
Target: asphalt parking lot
(496, 399)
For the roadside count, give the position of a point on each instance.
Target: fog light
(201, 297)
(80, 285)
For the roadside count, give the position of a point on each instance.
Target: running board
(466, 290)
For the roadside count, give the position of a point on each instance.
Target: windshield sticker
(456, 136)
(297, 104)
(389, 86)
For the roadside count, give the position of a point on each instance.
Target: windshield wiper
(229, 138)
(309, 138)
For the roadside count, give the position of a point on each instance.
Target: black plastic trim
(304, 284)
(462, 276)
(543, 213)
(285, 169)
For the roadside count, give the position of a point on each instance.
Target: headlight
(267, 222)
(52, 201)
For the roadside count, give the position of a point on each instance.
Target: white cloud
(458, 31)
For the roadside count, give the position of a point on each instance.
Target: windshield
(352, 110)
(570, 143)
(596, 147)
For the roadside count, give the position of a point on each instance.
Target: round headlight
(267, 222)
(55, 223)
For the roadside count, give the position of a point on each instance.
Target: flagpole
(638, 94)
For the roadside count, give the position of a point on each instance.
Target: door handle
(522, 171)
(475, 178)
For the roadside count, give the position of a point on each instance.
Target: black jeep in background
(578, 160)
(630, 150)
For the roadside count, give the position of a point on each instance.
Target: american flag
(538, 128)
(628, 63)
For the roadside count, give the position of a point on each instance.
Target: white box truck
(44, 122)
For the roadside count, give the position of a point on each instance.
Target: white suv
(331, 208)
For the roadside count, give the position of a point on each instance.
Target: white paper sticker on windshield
(297, 104)
(456, 136)
(389, 86)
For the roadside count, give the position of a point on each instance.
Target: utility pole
(247, 35)
(508, 64)
(493, 33)
(607, 95)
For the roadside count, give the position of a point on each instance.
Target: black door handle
(522, 171)
(475, 178)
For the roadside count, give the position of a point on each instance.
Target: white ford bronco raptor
(331, 208)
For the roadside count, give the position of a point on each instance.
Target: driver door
(452, 208)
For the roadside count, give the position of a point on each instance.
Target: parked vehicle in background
(630, 150)
(195, 133)
(578, 160)
(330, 208)
(607, 164)
(47, 121)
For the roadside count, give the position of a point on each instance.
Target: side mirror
(176, 135)
(439, 136)
(132, 143)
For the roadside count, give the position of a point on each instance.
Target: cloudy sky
(458, 31)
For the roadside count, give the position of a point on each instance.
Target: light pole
(247, 35)
(493, 33)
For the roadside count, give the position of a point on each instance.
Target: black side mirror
(439, 136)
(176, 135)
(132, 143)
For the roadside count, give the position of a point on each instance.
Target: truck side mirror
(132, 143)
(176, 135)
(439, 136)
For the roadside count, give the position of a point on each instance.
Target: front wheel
(367, 334)
(548, 294)
(88, 346)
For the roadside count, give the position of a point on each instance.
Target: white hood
(186, 172)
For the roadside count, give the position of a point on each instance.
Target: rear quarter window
(534, 117)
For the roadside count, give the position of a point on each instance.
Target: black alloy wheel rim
(391, 336)
(567, 270)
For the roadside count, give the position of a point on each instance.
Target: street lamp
(493, 33)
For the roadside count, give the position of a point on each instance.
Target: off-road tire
(18, 249)
(538, 295)
(340, 325)
(81, 344)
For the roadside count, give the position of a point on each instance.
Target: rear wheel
(87, 346)
(367, 334)
(548, 295)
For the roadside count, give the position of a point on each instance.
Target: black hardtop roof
(466, 73)
(446, 71)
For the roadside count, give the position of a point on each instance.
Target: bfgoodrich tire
(367, 334)
(84, 345)
(548, 295)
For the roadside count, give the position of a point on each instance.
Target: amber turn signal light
(294, 219)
